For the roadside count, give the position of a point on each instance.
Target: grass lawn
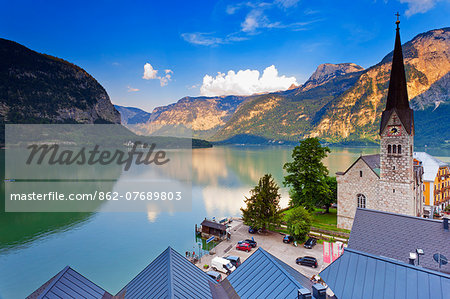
(326, 221)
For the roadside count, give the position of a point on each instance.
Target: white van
(222, 265)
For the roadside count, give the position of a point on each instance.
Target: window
(389, 148)
(360, 173)
(393, 190)
(393, 167)
(399, 149)
(361, 200)
(394, 149)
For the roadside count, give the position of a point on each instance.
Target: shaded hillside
(132, 116)
(39, 88)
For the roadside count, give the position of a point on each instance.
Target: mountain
(203, 115)
(339, 103)
(132, 116)
(346, 107)
(39, 88)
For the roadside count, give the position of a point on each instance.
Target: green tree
(263, 207)
(330, 196)
(298, 223)
(307, 174)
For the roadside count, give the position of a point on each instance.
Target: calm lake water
(111, 248)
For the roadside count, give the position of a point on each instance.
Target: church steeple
(397, 99)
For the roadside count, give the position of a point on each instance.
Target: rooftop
(213, 224)
(70, 284)
(357, 274)
(395, 236)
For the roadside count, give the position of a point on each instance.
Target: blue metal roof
(170, 275)
(263, 276)
(70, 284)
(357, 274)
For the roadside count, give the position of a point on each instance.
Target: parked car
(215, 275)
(288, 239)
(234, 260)
(307, 261)
(252, 243)
(222, 265)
(252, 230)
(310, 243)
(243, 247)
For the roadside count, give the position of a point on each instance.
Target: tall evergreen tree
(307, 174)
(263, 207)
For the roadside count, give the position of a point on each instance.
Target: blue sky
(113, 40)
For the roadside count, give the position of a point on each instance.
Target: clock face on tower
(394, 131)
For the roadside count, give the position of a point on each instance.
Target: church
(391, 181)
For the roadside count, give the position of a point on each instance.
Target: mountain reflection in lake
(111, 248)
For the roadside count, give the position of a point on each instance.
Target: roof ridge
(170, 274)
(399, 215)
(280, 267)
(55, 280)
(390, 260)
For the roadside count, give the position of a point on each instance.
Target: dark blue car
(252, 230)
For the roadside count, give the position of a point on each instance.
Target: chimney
(412, 258)
(446, 223)
(319, 291)
(304, 294)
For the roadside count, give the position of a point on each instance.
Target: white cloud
(245, 82)
(150, 73)
(131, 89)
(286, 3)
(207, 39)
(418, 6)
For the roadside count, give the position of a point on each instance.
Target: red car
(243, 247)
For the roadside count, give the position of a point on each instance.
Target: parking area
(271, 242)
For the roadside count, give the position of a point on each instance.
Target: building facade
(436, 181)
(389, 181)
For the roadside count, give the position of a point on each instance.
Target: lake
(110, 248)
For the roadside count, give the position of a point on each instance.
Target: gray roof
(373, 161)
(215, 225)
(170, 275)
(395, 236)
(263, 276)
(70, 284)
(356, 274)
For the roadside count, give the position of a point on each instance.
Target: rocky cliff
(38, 88)
(203, 115)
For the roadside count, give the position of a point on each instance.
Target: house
(436, 181)
(211, 228)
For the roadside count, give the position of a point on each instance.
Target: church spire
(397, 98)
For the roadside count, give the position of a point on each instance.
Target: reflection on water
(111, 248)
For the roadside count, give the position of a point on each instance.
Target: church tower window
(399, 149)
(389, 148)
(394, 149)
